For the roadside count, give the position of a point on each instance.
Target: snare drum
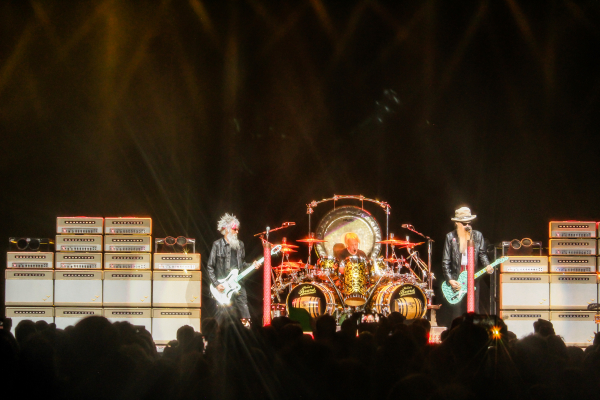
(356, 275)
(316, 298)
(405, 298)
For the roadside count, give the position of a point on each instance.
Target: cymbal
(412, 244)
(394, 242)
(311, 240)
(285, 270)
(287, 245)
(288, 250)
(289, 266)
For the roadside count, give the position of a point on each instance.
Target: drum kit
(371, 285)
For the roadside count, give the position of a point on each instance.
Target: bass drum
(405, 298)
(316, 298)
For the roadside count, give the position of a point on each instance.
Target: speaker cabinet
(524, 291)
(521, 322)
(29, 288)
(176, 289)
(127, 288)
(573, 292)
(18, 314)
(166, 321)
(577, 328)
(78, 288)
(135, 316)
(68, 316)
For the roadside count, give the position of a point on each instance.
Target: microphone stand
(430, 241)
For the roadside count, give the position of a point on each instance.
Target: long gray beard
(233, 241)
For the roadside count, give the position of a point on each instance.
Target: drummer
(351, 240)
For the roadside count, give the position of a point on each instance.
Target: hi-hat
(289, 266)
(287, 245)
(287, 250)
(311, 240)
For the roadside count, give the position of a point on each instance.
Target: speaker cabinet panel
(576, 328)
(18, 314)
(524, 291)
(525, 264)
(521, 322)
(166, 321)
(573, 292)
(78, 288)
(176, 289)
(135, 316)
(29, 288)
(67, 316)
(127, 288)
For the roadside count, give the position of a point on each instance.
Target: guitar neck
(498, 261)
(245, 272)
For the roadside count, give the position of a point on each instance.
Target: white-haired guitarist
(226, 255)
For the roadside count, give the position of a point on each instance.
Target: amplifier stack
(557, 288)
(103, 266)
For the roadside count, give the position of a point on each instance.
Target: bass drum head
(407, 299)
(339, 221)
(315, 298)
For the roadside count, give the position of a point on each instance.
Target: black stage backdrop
(184, 110)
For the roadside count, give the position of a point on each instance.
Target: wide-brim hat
(463, 214)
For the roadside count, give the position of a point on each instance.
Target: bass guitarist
(227, 254)
(454, 260)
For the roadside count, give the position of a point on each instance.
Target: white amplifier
(524, 292)
(128, 226)
(573, 247)
(176, 289)
(525, 264)
(79, 242)
(573, 264)
(573, 229)
(135, 316)
(78, 288)
(29, 288)
(127, 288)
(576, 328)
(18, 314)
(89, 225)
(127, 243)
(78, 260)
(166, 321)
(573, 292)
(127, 260)
(68, 316)
(521, 322)
(176, 261)
(29, 259)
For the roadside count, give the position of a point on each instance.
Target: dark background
(184, 110)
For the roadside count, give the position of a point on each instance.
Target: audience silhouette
(389, 359)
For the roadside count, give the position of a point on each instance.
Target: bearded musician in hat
(227, 254)
(454, 259)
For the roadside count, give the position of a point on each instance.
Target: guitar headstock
(276, 250)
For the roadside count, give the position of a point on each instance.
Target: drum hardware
(310, 240)
(430, 241)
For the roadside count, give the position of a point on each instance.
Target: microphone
(468, 228)
(408, 226)
(289, 223)
(268, 229)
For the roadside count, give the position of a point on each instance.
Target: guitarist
(454, 260)
(227, 254)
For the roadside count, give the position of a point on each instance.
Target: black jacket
(219, 264)
(452, 255)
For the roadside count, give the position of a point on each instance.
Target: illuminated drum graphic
(315, 298)
(356, 275)
(407, 299)
(339, 221)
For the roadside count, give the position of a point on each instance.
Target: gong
(339, 221)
